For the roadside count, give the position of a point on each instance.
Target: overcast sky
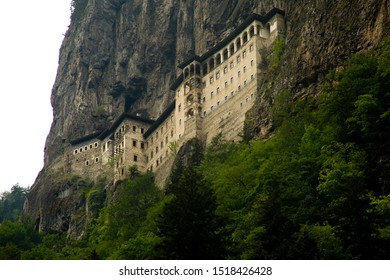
(31, 34)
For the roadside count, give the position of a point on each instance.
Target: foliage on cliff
(11, 203)
(318, 189)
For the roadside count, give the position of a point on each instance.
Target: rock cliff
(122, 54)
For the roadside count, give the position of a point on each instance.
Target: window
(211, 80)
(218, 75)
(204, 99)
(87, 163)
(157, 163)
(231, 64)
(178, 93)
(251, 48)
(252, 62)
(225, 69)
(244, 54)
(90, 146)
(211, 94)
(252, 77)
(156, 135)
(134, 128)
(241, 104)
(151, 154)
(156, 149)
(204, 113)
(96, 145)
(217, 90)
(97, 159)
(75, 151)
(142, 145)
(244, 69)
(244, 83)
(226, 84)
(231, 80)
(238, 59)
(239, 73)
(212, 107)
(171, 133)
(232, 93)
(142, 130)
(85, 148)
(162, 144)
(180, 122)
(218, 103)
(225, 97)
(134, 143)
(239, 87)
(179, 107)
(166, 139)
(135, 158)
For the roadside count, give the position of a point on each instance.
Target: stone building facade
(213, 92)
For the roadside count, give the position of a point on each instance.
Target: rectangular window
(244, 54)
(225, 69)
(244, 69)
(211, 80)
(231, 80)
(134, 143)
(226, 84)
(245, 83)
(231, 64)
(142, 145)
(217, 90)
(239, 73)
(211, 94)
(251, 48)
(134, 128)
(204, 99)
(238, 59)
(142, 130)
(217, 75)
(135, 158)
(252, 62)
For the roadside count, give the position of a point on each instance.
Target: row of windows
(231, 65)
(159, 161)
(86, 148)
(89, 162)
(226, 99)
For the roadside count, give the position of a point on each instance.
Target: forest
(318, 188)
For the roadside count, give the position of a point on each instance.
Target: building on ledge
(212, 94)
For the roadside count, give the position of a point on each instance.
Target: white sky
(31, 33)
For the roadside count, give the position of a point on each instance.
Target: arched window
(186, 88)
(225, 54)
(190, 99)
(197, 69)
(205, 69)
(190, 113)
(252, 31)
(245, 37)
(266, 31)
(211, 64)
(186, 73)
(231, 48)
(192, 69)
(218, 59)
(238, 43)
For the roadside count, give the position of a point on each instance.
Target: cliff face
(122, 55)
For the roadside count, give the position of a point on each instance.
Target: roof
(119, 120)
(263, 19)
(100, 135)
(160, 119)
